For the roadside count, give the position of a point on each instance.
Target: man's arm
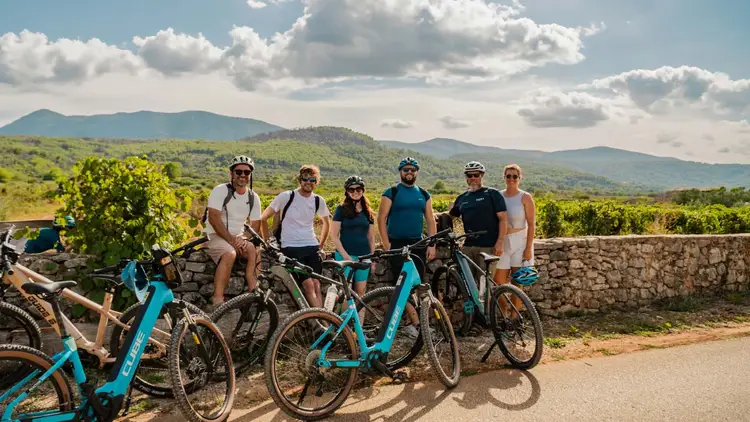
(324, 233)
(502, 217)
(383, 210)
(267, 213)
(431, 227)
(214, 218)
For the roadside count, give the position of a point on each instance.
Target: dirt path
(667, 324)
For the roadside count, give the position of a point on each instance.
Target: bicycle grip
(8, 268)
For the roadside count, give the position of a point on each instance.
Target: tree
(5, 175)
(122, 208)
(439, 187)
(173, 170)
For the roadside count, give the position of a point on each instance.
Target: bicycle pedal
(399, 377)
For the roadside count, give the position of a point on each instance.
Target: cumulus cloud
(396, 123)
(256, 4)
(453, 123)
(173, 54)
(663, 89)
(547, 108)
(437, 40)
(30, 58)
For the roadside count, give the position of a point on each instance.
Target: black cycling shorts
(307, 255)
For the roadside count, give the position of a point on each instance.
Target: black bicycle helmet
(353, 181)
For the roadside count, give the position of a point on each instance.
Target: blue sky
(311, 77)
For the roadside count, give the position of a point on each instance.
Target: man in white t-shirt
(225, 226)
(296, 212)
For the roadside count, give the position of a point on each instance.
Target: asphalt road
(703, 382)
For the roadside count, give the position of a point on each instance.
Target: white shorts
(513, 247)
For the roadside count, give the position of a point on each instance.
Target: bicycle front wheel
(516, 326)
(297, 383)
(440, 341)
(200, 367)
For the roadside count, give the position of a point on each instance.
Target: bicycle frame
(122, 373)
(469, 286)
(407, 281)
(23, 275)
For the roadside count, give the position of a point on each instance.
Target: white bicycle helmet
(242, 159)
(474, 166)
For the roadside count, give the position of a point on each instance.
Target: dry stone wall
(590, 274)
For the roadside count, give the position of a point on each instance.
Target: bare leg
(251, 275)
(221, 277)
(311, 287)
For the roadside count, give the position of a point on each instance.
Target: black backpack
(394, 191)
(277, 231)
(230, 195)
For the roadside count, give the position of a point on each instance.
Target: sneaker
(411, 331)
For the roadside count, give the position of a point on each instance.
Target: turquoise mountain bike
(43, 391)
(322, 364)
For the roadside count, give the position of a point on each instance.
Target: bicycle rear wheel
(201, 371)
(17, 327)
(511, 326)
(247, 323)
(405, 347)
(54, 394)
(440, 341)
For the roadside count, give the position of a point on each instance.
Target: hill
(339, 152)
(138, 125)
(611, 163)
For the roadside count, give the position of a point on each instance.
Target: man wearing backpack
(295, 211)
(404, 207)
(229, 207)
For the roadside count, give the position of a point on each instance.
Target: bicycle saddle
(47, 288)
(489, 259)
(357, 265)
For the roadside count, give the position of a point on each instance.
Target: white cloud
(30, 58)
(453, 123)
(666, 88)
(173, 54)
(256, 4)
(440, 41)
(396, 123)
(545, 108)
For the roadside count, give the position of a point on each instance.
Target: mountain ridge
(142, 124)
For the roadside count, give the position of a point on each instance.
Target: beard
(407, 181)
(473, 187)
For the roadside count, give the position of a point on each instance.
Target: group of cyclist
(507, 216)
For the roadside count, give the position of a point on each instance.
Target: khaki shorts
(217, 246)
(473, 253)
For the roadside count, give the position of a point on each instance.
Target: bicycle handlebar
(405, 250)
(120, 265)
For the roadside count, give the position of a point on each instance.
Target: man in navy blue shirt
(481, 209)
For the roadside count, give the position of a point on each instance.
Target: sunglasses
(511, 176)
(310, 179)
(241, 172)
(409, 170)
(352, 190)
(473, 175)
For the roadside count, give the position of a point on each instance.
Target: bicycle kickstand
(487, 354)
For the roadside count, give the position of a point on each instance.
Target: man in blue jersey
(404, 208)
(481, 208)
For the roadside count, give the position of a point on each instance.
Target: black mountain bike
(453, 283)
